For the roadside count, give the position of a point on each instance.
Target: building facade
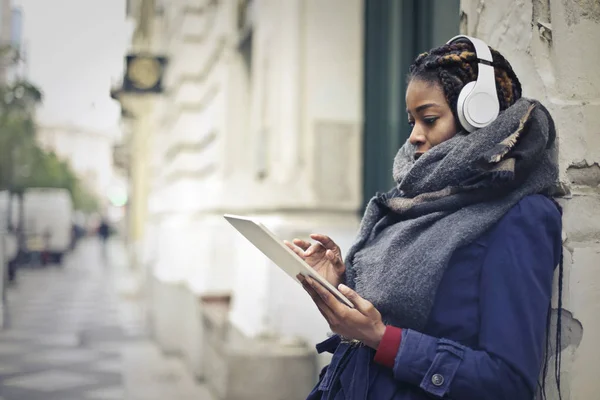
(257, 120)
(292, 111)
(12, 58)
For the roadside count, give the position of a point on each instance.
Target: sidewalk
(70, 337)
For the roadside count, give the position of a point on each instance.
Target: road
(71, 336)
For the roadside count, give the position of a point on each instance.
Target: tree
(23, 163)
(17, 129)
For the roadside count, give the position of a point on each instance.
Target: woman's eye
(430, 120)
(411, 124)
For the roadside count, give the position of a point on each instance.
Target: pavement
(72, 335)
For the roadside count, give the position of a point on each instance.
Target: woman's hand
(362, 323)
(324, 256)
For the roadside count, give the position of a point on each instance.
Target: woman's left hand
(362, 323)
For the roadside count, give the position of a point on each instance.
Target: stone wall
(553, 47)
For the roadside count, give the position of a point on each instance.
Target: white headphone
(478, 105)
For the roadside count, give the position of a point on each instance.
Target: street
(70, 336)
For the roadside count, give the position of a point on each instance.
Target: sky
(75, 53)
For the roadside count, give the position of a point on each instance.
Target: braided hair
(454, 65)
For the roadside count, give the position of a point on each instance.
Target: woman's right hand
(324, 256)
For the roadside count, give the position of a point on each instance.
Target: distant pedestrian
(104, 233)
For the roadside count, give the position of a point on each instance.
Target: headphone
(478, 105)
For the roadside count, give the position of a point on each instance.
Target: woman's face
(429, 115)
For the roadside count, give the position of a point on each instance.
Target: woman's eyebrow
(423, 107)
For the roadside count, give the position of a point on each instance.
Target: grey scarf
(445, 200)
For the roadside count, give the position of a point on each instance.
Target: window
(395, 33)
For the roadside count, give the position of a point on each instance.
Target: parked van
(48, 223)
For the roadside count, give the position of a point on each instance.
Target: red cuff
(388, 347)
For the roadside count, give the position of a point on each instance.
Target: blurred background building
(14, 53)
(89, 153)
(292, 111)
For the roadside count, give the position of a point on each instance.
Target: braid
(451, 86)
(454, 65)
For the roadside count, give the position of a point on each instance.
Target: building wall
(553, 47)
(306, 110)
(276, 134)
(272, 129)
(185, 158)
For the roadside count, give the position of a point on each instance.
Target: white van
(48, 224)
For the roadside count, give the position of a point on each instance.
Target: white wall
(305, 108)
(296, 113)
(303, 111)
(186, 150)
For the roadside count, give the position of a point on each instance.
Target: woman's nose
(417, 138)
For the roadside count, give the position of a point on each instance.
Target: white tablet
(279, 253)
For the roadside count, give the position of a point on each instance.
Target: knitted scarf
(446, 199)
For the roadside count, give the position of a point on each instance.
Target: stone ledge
(241, 368)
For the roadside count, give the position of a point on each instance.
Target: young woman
(451, 273)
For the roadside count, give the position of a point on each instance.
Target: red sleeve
(388, 347)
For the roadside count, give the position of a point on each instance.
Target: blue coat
(485, 338)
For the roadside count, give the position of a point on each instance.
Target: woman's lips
(418, 155)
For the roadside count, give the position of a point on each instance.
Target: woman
(451, 273)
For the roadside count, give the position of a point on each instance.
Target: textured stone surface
(549, 43)
(582, 218)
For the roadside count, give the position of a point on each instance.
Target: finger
(311, 291)
(325, 241)
(334, 258)
(325, 310)
(337, 262)
(303, 244)
(333, 303)
(313, 249)
(295, 249)
(364, 306)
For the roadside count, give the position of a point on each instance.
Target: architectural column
(139, 173)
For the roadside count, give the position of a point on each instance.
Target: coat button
(437, 380)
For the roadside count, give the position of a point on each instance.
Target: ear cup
(460, 106)
(475, 108)
(477, 104)
(481, 108)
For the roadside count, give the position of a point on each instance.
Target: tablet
(279, 253)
